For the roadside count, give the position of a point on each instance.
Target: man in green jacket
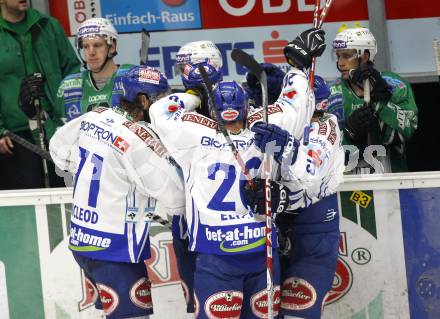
(388, 121)
(30, 43)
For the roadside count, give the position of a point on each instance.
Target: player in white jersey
(187, 59)
(120, 170)
(311, 223)
(230, 277)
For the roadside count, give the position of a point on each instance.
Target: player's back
(121, 170)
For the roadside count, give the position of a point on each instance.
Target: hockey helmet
(96, 27)
(191, 55)
(231, 101)
(359, 39)
(322, 92)
(145, 80)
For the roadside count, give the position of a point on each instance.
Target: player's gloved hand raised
(309, 44)
(273, 140)
(358, 123)
(380, 91)
(31, 88)
(255, 198)
(275, 77)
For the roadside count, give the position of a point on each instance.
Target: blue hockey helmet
(192, 78)
(275, 77)
(322, 92)
(145, 80)
(231, 101)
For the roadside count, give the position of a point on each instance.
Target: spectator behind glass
(30, 43)
(389, 120)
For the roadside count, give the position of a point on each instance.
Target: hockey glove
(275, 77)
(256, 198)
(309, 44)
(380, 91)
(358, 123)
(273, 140)
(31, 88)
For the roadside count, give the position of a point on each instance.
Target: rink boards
(388, 267)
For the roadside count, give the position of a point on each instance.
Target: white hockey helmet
(359, 39)
(197, 52)
(96, 27)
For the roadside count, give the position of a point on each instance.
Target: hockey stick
(222, 128)
(317, 23)
(28, 145)
(241, 57)
(436, 46)
(145, 44)
(41, 139)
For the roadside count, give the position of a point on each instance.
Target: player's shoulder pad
(178, 101)
(256, 115)
(394, 81)
(327, 127)
(295, 83)
(70, 82)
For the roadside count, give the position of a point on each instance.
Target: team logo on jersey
(121, 144)
(315, 157)
(224, 304)
(109, 299)
(297, 294)
(290, 94)
(259, 302)
(140, 294)
(73, 111)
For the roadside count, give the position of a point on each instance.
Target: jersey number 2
(218, 202)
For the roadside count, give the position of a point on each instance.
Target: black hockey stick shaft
(221, 126)
(28, 145)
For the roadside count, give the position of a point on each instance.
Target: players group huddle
(201, 154)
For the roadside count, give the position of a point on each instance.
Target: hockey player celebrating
(188, 58)
(230, 276)
(98, 85)
(390, 119)
(121, 169)
(307, 267)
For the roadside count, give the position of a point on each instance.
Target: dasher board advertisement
(388, 266)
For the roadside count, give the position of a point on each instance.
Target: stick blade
(241, 57)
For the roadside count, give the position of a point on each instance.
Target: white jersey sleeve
(121, 169)
(294, 107)
(318, 169)
(63, 146)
